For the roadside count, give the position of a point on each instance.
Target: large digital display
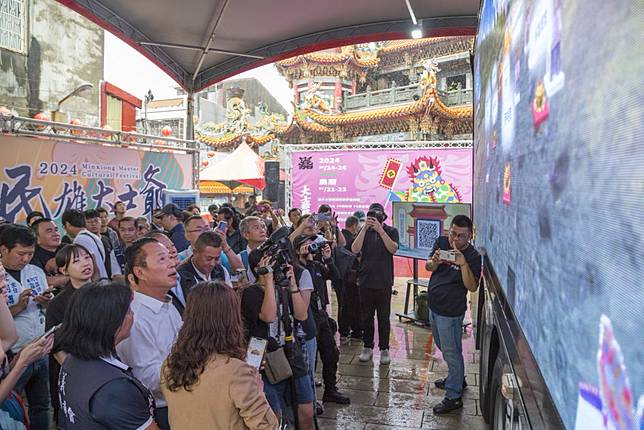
(559, 192)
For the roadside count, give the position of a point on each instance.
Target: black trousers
(328, 350)
(343, 324)
(376, 302)
(350, 316)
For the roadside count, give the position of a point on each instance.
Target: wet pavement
(401, 395)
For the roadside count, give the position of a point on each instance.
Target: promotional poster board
(53, 176)
(351, 180)
(420, 224)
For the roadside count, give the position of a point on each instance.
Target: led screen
(559, 190)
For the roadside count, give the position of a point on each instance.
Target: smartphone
(51, 330)
(255, 353)
(222, 225)
(446, 255)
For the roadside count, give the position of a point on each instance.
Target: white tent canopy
(243, 165)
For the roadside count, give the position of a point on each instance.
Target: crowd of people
(155, 317)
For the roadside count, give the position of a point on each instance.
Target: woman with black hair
(96, 389)
(75, 262)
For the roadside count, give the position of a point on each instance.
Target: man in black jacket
(204, 263)
(321, 268)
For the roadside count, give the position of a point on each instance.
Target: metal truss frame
(21, 126)
(288, 150)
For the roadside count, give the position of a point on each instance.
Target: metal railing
(17, 125)
(402, 94)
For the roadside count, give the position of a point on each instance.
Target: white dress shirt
(155, 328)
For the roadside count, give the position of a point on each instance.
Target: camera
(377, 215)
(322, 216)
(315, 248)
(447, 255)
(279, 248)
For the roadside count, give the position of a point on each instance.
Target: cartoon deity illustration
(427, 184)
(236, 112)
(313, 99)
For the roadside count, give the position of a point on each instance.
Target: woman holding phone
(76, 262)
(205, 379)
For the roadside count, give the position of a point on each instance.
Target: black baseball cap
(172, 209)
(301, 239)
(379, 208)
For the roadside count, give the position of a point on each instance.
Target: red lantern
(166, 131)
(42, 116)
(75, 121)
(204, 163)
(211, 154)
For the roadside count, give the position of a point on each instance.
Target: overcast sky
(131, 71)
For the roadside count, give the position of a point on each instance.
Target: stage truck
(559, 213)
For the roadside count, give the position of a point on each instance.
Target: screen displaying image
(559, 189)
(420, 224)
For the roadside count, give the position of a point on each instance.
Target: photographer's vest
(78, 382)
(30, 323)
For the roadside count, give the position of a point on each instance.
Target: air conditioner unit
(181, 198)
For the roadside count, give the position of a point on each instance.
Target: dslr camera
(279, 248)
(315, 248)
(377, 215)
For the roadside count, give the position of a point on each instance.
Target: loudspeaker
(272, 178)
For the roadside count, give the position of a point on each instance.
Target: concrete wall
(64, 49)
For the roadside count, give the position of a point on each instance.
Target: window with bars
(13, 25)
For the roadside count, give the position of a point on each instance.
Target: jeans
(376, 301)
(35, 382)
(311, 354)
(447, 333)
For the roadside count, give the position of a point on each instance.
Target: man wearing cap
(377, 244)
(361, 218)
(172, 222)
(156, 225)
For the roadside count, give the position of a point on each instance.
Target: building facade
(46, 51)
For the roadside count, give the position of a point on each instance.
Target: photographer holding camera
(274, 308)
(314, 253)
(377, 243)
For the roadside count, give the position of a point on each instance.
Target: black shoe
(319, 409)
(440, 383)
(447, 405)
(334, 396)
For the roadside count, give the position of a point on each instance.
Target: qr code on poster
(427, 231)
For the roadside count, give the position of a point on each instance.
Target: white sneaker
(366, 355)
(384, 357)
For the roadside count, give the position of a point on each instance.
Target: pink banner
(352, 180)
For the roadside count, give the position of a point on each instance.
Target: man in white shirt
(151, 273)
(27, 298)
(253, 229)
(74, 223)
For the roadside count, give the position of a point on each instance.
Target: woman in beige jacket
(205, 380)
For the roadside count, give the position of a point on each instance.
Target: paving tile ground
(400, 396)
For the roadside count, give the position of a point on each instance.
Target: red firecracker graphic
(390, 173)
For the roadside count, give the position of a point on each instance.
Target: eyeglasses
(461, 236)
